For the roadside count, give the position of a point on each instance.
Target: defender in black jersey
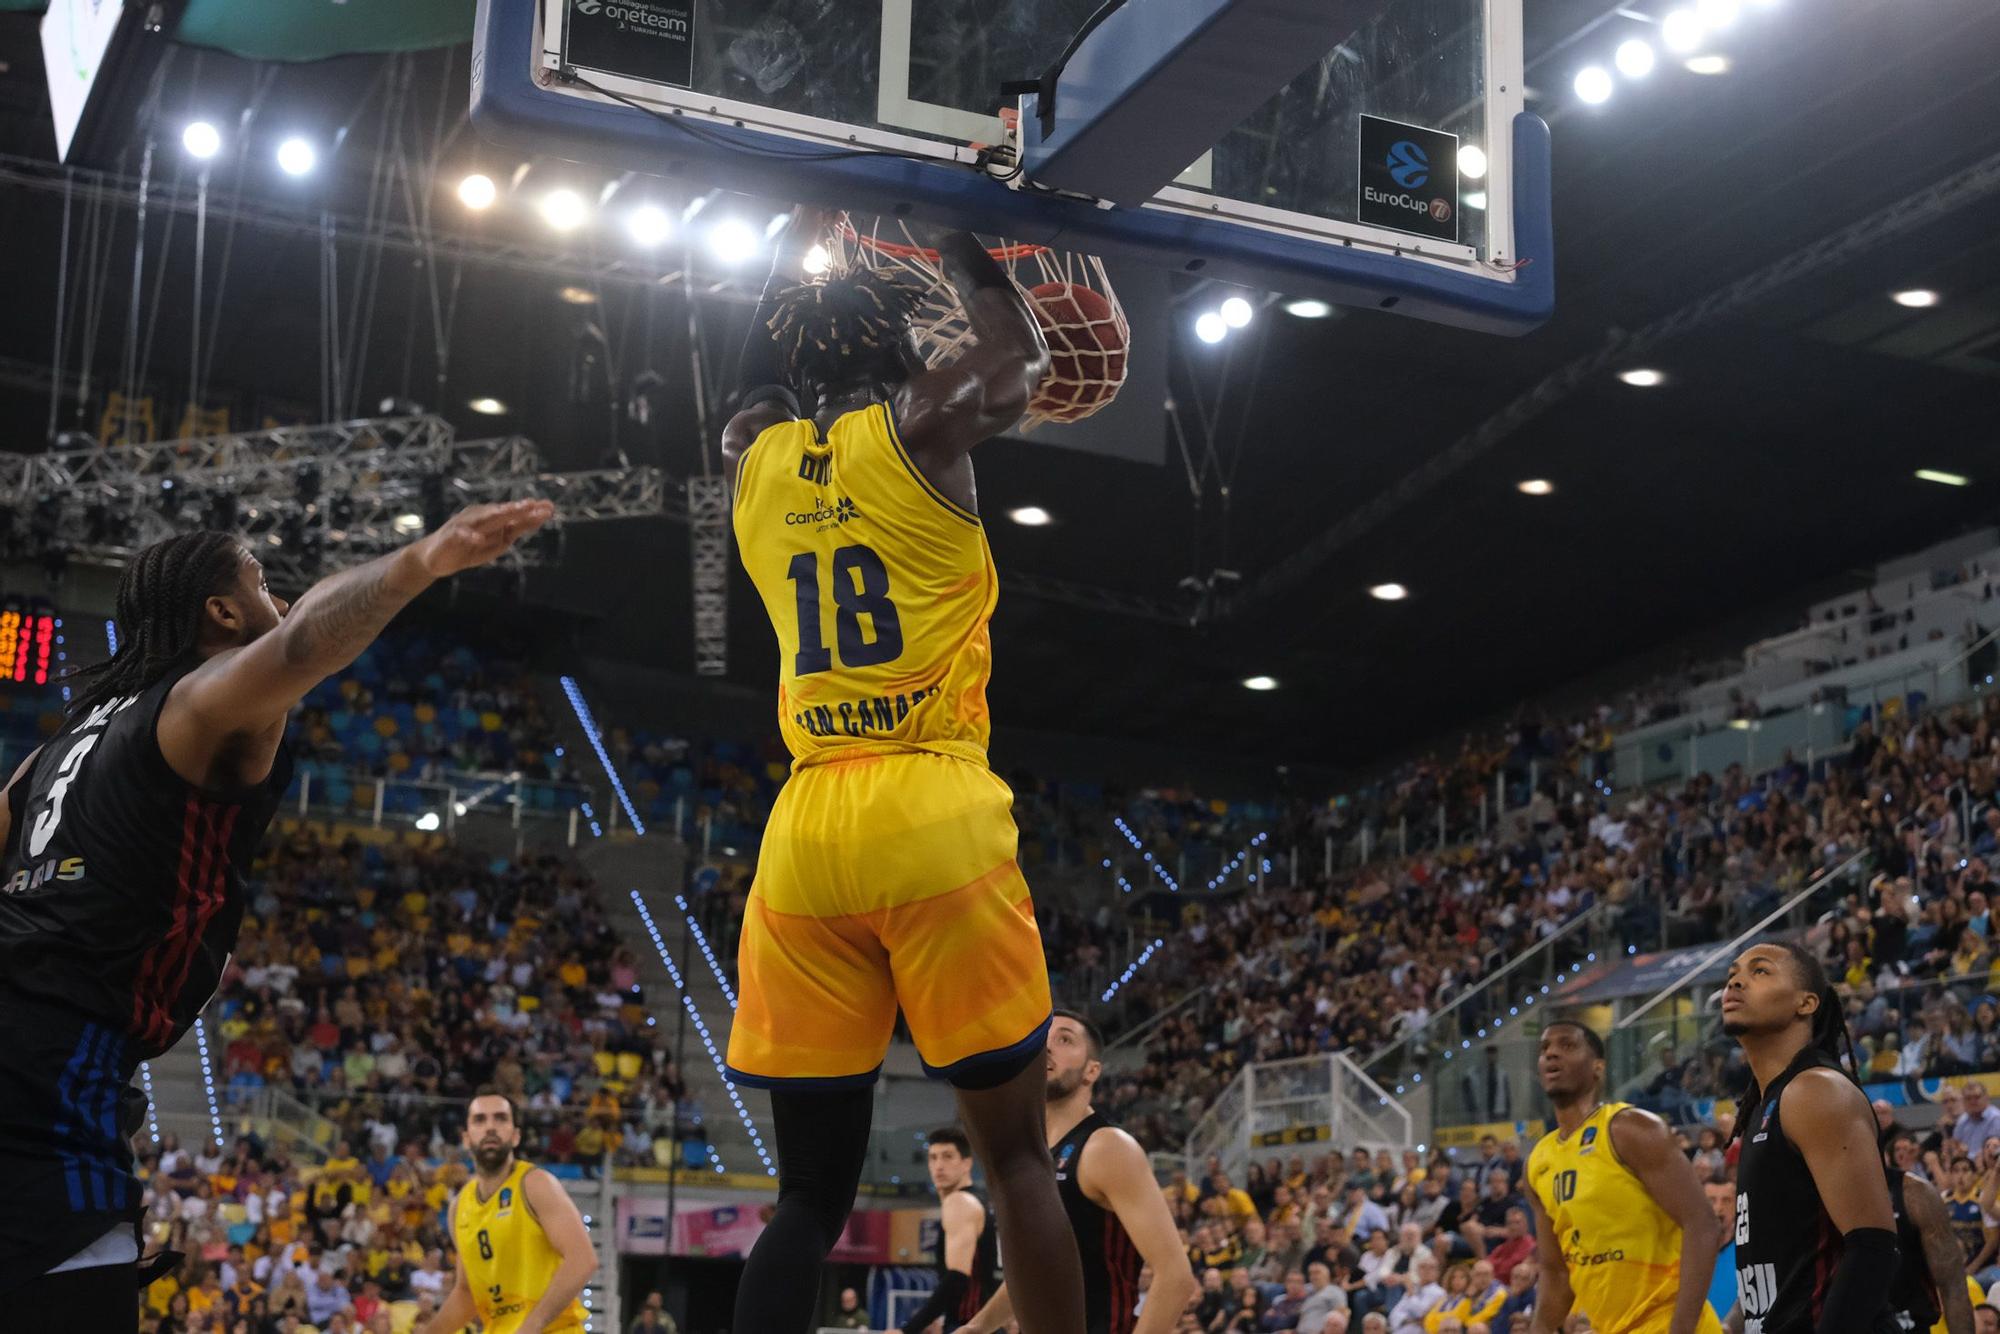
(1815, 1239)
(1930, 1281)
(1115, 1207)
(968, 1263)
(125, 838)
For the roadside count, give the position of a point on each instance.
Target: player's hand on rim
(481, 533)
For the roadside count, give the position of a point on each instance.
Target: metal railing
(543, 807)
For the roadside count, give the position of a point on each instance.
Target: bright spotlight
(1260, 683)
(1917, 298)
(1388, 592)
(1308, 309)
(1634, 58)
(1211, 327)
(1475, 199)
(1472, 162)
(564, 210)
(1593, 84)
(429, 822)
(1236, 312)
(818, 261)
(1709, 64)
(578, 296)
(201, 140)
(1943, 478)
(1716, 13)
(477, 191)
(1031, 516)
(1681, 31)
(487, 407)
(733, 241)
(649, 224)
(1536, 486)
(1643, 378)
(296, 157)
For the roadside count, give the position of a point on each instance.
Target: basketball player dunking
(1815, 1234)
(126, 837)
(523, 1251)
(887, 873)
(1627, 1236)
(1115, 1207)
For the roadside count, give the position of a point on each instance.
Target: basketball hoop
(1070, 294)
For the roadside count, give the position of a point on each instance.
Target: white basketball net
(1089, 354)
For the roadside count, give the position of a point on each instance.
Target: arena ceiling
(1778, 454)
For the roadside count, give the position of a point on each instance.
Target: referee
(125, 839)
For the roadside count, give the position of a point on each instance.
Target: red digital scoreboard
(27, 645)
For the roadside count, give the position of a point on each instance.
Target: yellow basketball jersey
(507, 1258)
(1622, 1250)
(879, 588)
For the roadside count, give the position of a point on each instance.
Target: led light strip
(707, 1040)
(1132, 968)
(596, 739)
(1465, 1044)
(208, 1080)
(1138, 847)
(152, 1113)
(1233, 863)
(714, 964)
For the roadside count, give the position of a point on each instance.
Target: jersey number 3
(860, 588)
(51, 816)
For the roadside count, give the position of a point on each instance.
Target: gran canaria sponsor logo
(823, 516)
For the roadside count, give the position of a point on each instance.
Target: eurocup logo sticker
(1408, 164)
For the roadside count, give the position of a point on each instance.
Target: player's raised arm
(223, 722)
(942, 414)
(763, 392)
(1643, 1144)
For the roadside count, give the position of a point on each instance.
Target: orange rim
(1004, 254)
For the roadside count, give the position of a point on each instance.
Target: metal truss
(308, 499)
(708, 544)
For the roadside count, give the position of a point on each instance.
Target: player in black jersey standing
(125, 839)
(1815, 1234)
(1931, 1278)
(1115, 1207)
(968, 1264)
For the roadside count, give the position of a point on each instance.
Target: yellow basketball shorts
(888, 880)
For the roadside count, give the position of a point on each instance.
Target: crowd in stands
(381, 982)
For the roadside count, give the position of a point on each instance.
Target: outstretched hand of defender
(480, 534)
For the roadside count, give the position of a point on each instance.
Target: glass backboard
(1397, 170)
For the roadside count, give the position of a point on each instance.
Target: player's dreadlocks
(160, 598)
(848, 332)
(1829, 1025)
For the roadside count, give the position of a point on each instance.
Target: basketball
(1087, 344)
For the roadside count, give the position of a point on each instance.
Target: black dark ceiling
(1779, 453)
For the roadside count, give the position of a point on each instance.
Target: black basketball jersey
(1111, 1262)
(1786, 1245)
(123, 887)
(1913, 1297)
(985, 1276)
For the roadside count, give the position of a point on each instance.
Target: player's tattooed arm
(1942, 1253)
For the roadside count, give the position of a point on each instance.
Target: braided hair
(846, 333)
(160, 600)
(1829, 1025)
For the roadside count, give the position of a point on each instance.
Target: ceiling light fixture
(296, 157)
(1472, 162)
(1709, 64)
(1643, 377)
(578, 296)
(1031, 516)
(818, 261)
(1308, 309)
(1260, 683)
(1211, 327)
(487, 407)
(1388, 592)
(1635, 58)
(201, 140)
(1716, 13)
(1593, 85)
(564, 210)
(1536, 486)
(1916, 298)
(1943, 478)
(1681, 31)
(477, 191)
(1237, 313)
(649, 225)
(733, 241)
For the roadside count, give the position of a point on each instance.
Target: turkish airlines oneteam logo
(1408, 164)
